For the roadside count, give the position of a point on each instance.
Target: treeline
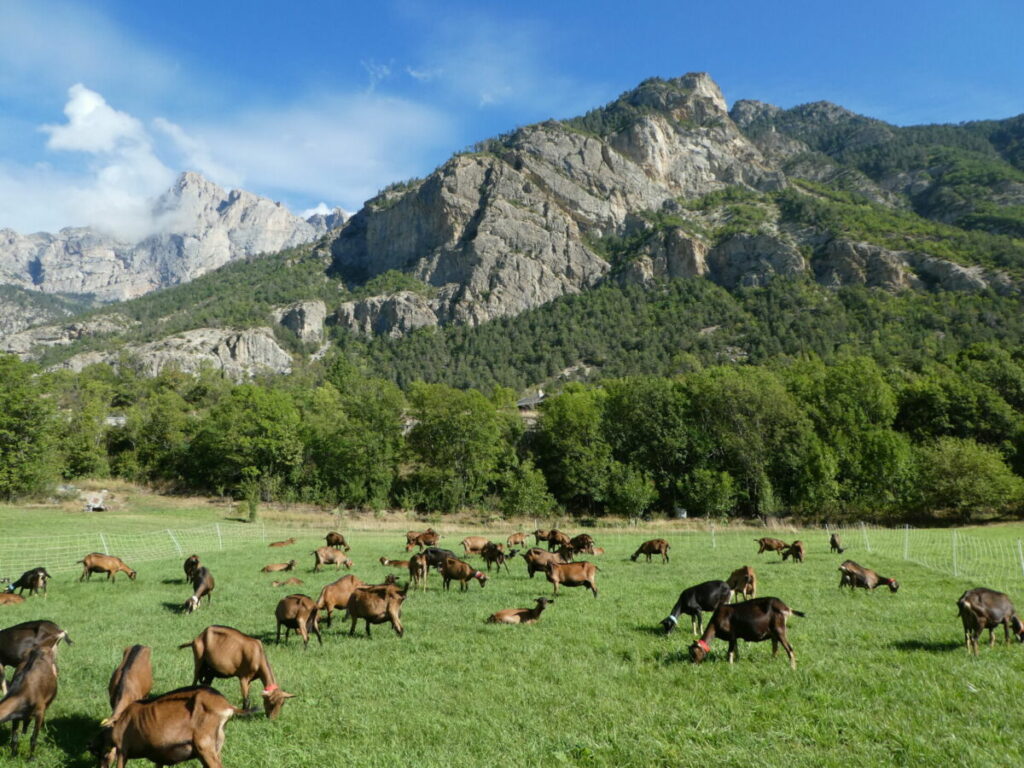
(849, 437)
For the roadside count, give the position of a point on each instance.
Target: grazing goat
(495, 554)
(337, 594)
(32, 580)
(768, 544)
(537, 560)
(743, 582)
(335, 539)
(286, 543)
(184, 724)
(421, 539)
(108, 564)
(18, 641)
(581, 574)
(222, 652)
(567, 554)
(202, 586)
(652, 547)
(854, 575)
(131, 681)
(462, 572)
(436, 556)
(557, 539)
(278, 567)
(517, 539)
(190, 566)
(403, 564)
(982, 609)
(376, 605)
(330, 556)
(754, 621)
(418, 570)
(834, 544)
(291, 581)
(796, 550)
(540, 535)
(520, 615)
(300, 613)
(474, 545)
(6, 598)
(692, 601)
(584, 543)
(33, 687)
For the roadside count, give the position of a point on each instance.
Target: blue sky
(103, 102)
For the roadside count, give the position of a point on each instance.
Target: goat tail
(65, 637)
(801, 614)
(189, 644)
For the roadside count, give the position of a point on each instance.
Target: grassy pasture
(882, 678)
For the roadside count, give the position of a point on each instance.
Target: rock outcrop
(62, 335)
(304, 318)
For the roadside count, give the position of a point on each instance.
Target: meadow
(882, 678)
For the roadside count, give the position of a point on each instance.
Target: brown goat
(335, 539)
(494, 554)
(418, 570)
(743, 581)
(388, 563)
(537, 560)
(291, 581)
(190, 566)
(540, 535)
(131, 681)
(376, 605)
(517, 539)
(17, 642)
(796, 550)
(584, 543)
(7, 598)
(202, 586)
(854, 575)
(566, 554)
(32, 688)
(278, 567)
(834, 544)
(597, 551)
(982, 609)
(108, 564)
(462, 572)
(421, 539)
(286, 543)
(557, 539)
(180, 725)
(330, 556)
(754, 621)
(768, 544)
(298, 612)
(520, 615)
(582, 574)
(652, 547)
(337, 594)
(474, 545)
(222, 652)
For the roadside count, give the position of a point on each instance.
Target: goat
(537, 560)
(567, 554)
(291, 581)
(540, 535)
(337, 594)
(421, 539)
(652, 547)
(300, 613)
(584, 543)
(286, 543)
(202, 586)
(517, 539)
(376, 605)
(278, 567)
(768, 544)
(403, 564)
(418, 570)
(982, 609)
(474, 545)
(581, 574)
(462, 572)
(557, 539)
(854, 575)
(131, 681)
(335, 539)
(834, 544)
(436, 556)
(33, 580)
(520, 615)
(692, 601)
(754, 621)
(743, 582)
(33, 687)
(190, 565)
(596, 551)
(222, 652)
(495, 554)
(108, 564)
(184, 724)
(796, 550)
(7, 598)
(18, 641)
(330, 556)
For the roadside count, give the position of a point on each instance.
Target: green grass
(882, 678)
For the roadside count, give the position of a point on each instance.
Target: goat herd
(188, 723)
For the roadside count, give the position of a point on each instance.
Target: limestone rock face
(305, 318)
(744, 260)
(61, 335)
(239, 354)
(670, 255)
(393, 315)
(200, 227)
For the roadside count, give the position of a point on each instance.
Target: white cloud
(196, 155)
(320, 210)
(94, 126)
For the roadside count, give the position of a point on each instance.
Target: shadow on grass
(672, 657)
(173, 581)
(932, 646)
(72, 735)
(174, 607)
(654, 630)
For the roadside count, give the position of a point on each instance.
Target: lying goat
(520, 615)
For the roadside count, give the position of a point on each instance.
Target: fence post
(864, 534)
(1020, 555)
(220, 540)
(906, 542)
(263, 532)
(713, 545)
(177, 546)
(955, 569)
(103, 542)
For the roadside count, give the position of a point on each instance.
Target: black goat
(32, 580)
(692, 601)
(436, 556)
(754, 621)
